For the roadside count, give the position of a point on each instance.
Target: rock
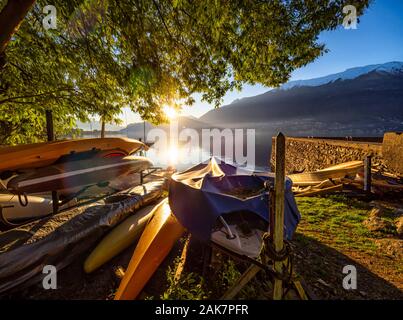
(376, 223)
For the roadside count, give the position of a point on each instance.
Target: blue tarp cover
(199, 195)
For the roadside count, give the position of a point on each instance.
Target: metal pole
(367, 174)
(278, 235)
(51, 137)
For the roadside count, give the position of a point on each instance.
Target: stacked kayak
(67, 166)
(157, 240)
(118, 239)
(72, 174)
(61, 239)
(38, 155)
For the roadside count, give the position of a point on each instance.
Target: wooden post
(144, 131)
(49, 125)
(278, 236)
(367, 175)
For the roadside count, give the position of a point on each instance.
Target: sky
(377, 39)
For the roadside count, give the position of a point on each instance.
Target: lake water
(186, 155)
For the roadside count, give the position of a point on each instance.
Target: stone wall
(392, 149)
(306, 154)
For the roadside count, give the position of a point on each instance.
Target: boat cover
(199, 195)
(61, 239)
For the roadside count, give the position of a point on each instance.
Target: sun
(170, 112)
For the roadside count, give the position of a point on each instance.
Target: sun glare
(170, 112)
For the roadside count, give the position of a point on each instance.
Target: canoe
(12, 209)
(118, 239)
(43, 154)
(334, 172)
(157, 240)
(72, 174)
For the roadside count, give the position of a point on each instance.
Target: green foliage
(337, 221)
(190, 286)
(144, 54)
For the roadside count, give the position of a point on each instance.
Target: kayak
(72, 174)
(157, 240)
(118, 239)
(43, 154)
(12, 209)
(335, 172)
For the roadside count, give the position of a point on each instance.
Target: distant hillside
(366, 105)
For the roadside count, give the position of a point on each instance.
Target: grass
(338, 222)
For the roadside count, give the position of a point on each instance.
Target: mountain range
(361, 101)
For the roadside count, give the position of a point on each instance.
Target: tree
(148, 53)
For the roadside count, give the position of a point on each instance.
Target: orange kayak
(157, 240)
(43, 154)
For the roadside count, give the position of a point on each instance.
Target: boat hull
(43, 154)
(69, 175)
(13, 210)
(118, 239)
(155, 243)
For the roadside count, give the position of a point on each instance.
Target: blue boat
(229, 205)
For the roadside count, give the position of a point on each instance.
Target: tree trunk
(11, 17)
(49, 125)
(103, 129)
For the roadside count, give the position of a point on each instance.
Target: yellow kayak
(43, 154)
(157, 240)
(118, 239)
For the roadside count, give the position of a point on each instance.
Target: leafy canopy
(144, 54)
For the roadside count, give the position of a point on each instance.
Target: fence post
(367, 174)
(278, 235)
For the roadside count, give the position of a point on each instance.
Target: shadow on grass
(322, 270)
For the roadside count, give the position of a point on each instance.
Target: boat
(157, 240)
(240, 232)
(12, 210)
(339, 171)
(63, 238)
(44, 154)
(79, 173)
(121, 237)
(228, 205)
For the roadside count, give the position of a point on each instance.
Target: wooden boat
(155, 243)
(43, 154)
(72, 174)
(334, 172)
(118, 239)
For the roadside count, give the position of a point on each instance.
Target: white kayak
(12, 209)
